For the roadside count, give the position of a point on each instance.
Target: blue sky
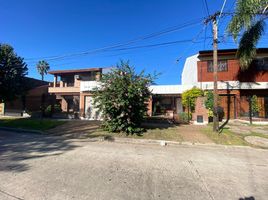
(45, 28)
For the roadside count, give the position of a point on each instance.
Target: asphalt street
(44, 167)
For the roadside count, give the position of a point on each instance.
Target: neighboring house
(73, 91)
(35, 95)
(234, 85)
(165, 100)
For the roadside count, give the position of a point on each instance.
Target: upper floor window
(260, 64)
(222, 66)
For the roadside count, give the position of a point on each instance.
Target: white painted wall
(189, 72)
(166, 89)
(88, 85)
(235, 85)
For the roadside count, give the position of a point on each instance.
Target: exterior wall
(150, 107)
(82, 105)
(64, 105)
(200, 110)
(32, 100)
(189, 73)
(233, 74)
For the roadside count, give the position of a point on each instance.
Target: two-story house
(234, 85)
(73, 90)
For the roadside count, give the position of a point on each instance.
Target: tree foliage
(249, 19)
(12, 72)
(42, 68)
(190, 96)
(122, 98)
(209, 103)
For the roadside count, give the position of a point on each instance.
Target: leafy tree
(122, 98)
(42, 68)
(12, 72)
(190, 96)
(249, 18)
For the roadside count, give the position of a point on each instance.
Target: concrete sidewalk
(46, 167)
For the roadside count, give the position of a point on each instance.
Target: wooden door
(228, 104)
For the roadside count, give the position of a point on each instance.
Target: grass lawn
(226, 137)
(32, 124)
(169, 134)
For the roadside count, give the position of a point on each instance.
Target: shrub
(48, 110)
(209, 100)
(183, 117)
(122, 99)
(254, 105)
(190, 96)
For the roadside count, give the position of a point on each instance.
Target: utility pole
(213, 19)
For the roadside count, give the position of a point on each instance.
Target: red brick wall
(200, 109)
(234, 73)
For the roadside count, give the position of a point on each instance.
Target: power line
(149, 46)
(196, 37)
(206, 6)
(149, 36)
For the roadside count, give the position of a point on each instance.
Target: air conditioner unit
(77, 77)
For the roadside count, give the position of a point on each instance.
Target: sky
(63, 29)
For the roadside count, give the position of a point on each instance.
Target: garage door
(91, 112)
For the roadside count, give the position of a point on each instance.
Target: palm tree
(249, 19)
(42, 68)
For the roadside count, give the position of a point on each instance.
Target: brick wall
(200, 109)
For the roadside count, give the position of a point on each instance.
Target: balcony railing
(63, 89)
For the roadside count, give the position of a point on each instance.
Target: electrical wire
(149, 36)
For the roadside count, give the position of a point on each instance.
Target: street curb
(21, 130)
(168, 143)
(133, 140)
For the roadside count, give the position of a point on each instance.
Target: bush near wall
(189, 97)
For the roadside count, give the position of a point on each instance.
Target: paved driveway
(42, 167)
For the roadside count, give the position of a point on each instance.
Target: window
(260, 64)
(222, 66)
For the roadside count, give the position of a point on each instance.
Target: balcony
(88, 85)
(63, 88)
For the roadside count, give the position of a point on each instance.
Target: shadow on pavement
(247, 198)
(17, 148)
